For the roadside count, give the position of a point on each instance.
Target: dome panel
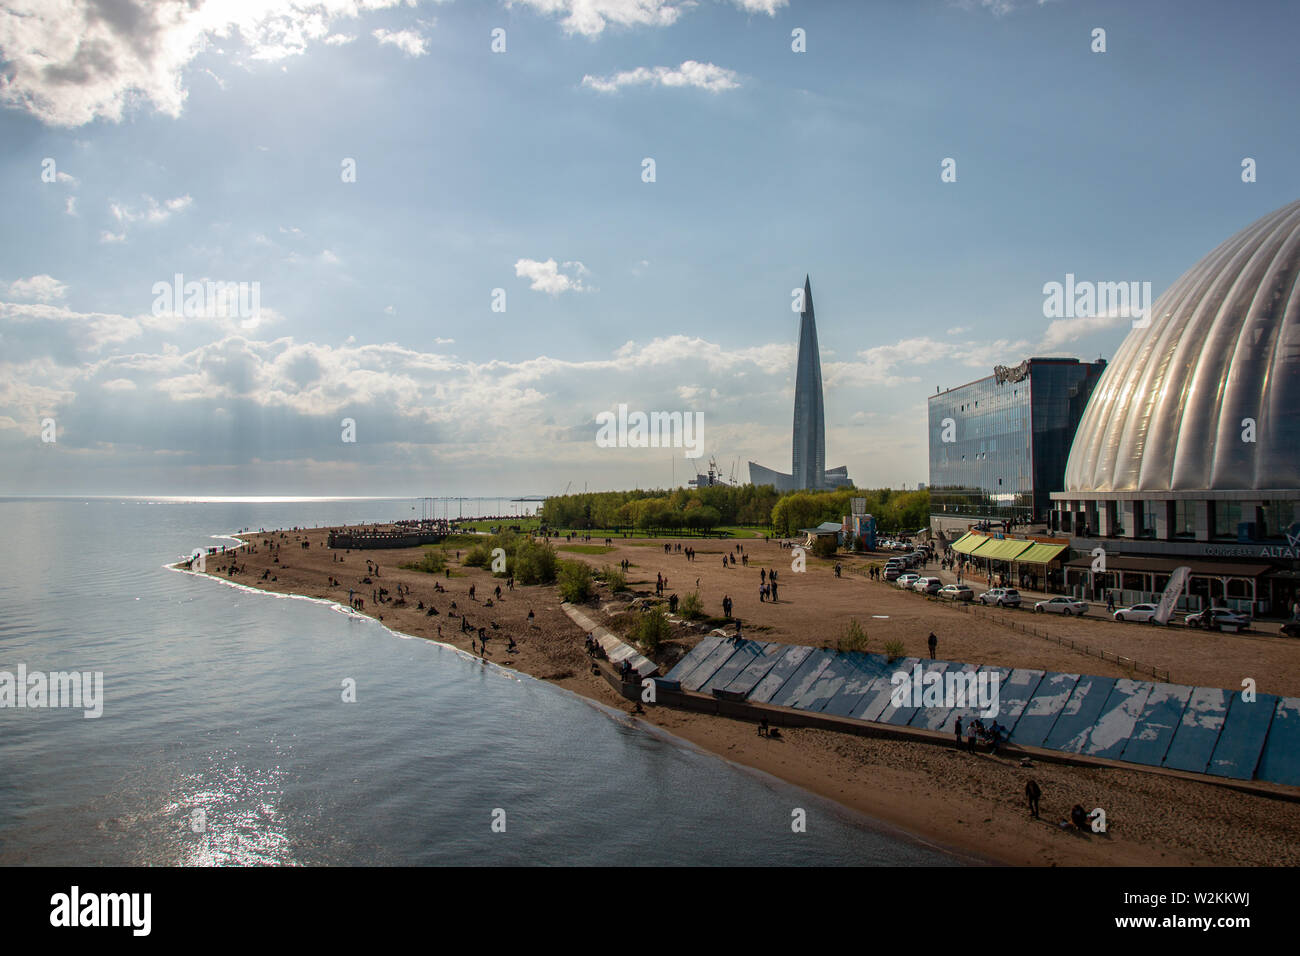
(1223, 345)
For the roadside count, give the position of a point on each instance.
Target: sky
(463, 230)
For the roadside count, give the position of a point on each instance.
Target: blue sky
(210, 142)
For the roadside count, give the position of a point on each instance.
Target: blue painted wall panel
(1070, 732)
(746, 653)
(802, 679)
(1044, 707)
(1280, 761)
(1242, 741)
(839, 669)
(1198, 730)
(877, 697)
(903, 715)
(694, 657)
(780, 672)
(709, 666)
(757, 669)
(870, 667)
(1114, 725)
(1155, 728)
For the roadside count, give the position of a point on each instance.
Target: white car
(908, 579)
(1144, 613)
(1061, 605)
(1002, 597)
(927, 585)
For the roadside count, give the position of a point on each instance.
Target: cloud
(409, 42)
(1062, 331)
(76, 61)
(590, 17)
(704, 76)
(547, 277)
(42, 288)
(338, 39)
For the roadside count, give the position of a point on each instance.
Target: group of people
(977, 731)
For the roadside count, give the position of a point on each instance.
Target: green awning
(1041, 553)
(1006, 549)
(968, 542)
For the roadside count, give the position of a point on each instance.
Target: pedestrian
(773, 588)
(934, 643)
(958, 733)
(970, 736)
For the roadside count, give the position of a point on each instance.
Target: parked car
(908, 579)
(956, 592)
(1292, 627)
(1002, 597)
(1219, 619)
(893, 572)
(927, 585)
(1143, 613)
(1061, 605)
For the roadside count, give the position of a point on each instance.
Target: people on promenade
(934, 644)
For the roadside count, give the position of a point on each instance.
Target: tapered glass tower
(809, 457)
(808, 471)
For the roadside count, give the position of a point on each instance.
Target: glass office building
(998, 446)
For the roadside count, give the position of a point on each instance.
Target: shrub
(653, 629)
(432, 561)
(894, 649)
(691, 607)
(614, 578)
(853, 637)
(479, 556)
(534, 562)
(575, 581)
(824, 546)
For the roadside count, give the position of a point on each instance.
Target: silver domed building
(1189, 447)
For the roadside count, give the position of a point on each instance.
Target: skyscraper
(808, 458)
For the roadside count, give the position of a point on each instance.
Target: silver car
(956, 592)
(1061, 605)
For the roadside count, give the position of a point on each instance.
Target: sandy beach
(973, 803)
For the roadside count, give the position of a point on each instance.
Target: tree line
(702, 510)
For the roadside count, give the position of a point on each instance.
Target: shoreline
(967, 805)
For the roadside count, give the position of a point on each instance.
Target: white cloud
(1062, 331)
(590, 17)
(339, 39)
(704, 76)
(409, 42)
(70, 207)
(75, 61)
(42, 288)
(761, 6)
(547, 277)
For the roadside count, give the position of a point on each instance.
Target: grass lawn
(584, 548)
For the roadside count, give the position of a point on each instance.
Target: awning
(1041, 553)
(1006, 549)
(969, 542)
(1215, 569)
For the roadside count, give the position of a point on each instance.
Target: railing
(1133, 665)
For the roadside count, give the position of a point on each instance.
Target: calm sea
(225, 740)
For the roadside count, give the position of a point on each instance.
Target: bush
(853, 637)
(575, 581)
(614, 578)
(824, 546)
(534, 562)
(653, 629)
(432, 561)
(479, 556)
(691, 607)
(894, 650)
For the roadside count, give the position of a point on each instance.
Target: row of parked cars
(1215, 618)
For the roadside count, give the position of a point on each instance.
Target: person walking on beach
(934, 644)
(970, 736)
(772, 586)
(959, 733)
(762, 575)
